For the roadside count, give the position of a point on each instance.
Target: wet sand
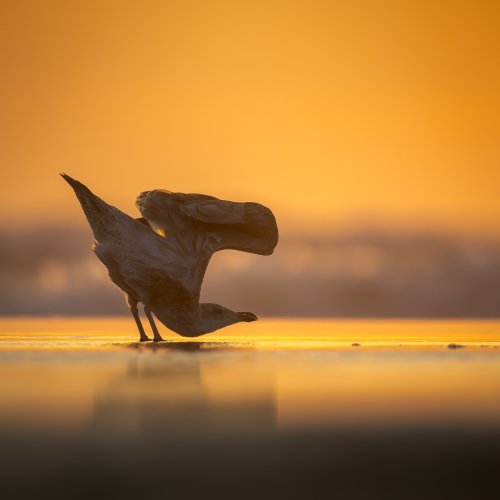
(274, 409)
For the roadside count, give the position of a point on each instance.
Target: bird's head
(215, 316)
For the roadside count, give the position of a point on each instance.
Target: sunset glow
(354, 112)
(344, 341)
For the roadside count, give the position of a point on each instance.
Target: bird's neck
(184, 319)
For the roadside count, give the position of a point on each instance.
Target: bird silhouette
(160, 259)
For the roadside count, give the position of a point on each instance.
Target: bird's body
(160, 259)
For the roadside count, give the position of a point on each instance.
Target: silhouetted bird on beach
(160, 259)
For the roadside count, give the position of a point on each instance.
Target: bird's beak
(247, 316)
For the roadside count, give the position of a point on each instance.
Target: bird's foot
(158, 339)
(144, 339)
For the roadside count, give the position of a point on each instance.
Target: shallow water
(64, 374)
(65, 383)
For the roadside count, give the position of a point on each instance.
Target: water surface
(290, 395)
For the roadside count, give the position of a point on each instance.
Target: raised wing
(139, 261)
(248, 227)
(195, 226)
(184, 237)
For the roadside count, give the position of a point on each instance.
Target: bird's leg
(157, 337)
(135, 313)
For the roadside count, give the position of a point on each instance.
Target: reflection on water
(177, 389)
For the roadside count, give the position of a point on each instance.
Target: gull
(160, 259)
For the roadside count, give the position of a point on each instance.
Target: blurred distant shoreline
(366, 273)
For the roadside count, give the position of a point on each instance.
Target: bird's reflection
(182, 388)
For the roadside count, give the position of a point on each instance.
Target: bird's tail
(101, 216)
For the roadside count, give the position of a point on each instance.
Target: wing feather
(215, 211)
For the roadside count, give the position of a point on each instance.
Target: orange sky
(384, 111)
